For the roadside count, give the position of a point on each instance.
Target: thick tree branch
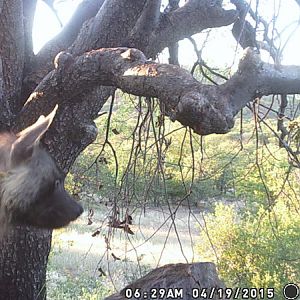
(98, 33)
(101, 29)
(105, 30)
(173, 54)
(255, 78)
(42, 64)
(85, 11)
(172, 28)
(185, 21)
(75, 121)
(29, 7)
(11, 50)
(173, 48)
(145, 25)
(205, 108)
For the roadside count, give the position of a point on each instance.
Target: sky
(220, 47)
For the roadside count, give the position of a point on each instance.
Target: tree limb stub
(205, 108)
(175, 277)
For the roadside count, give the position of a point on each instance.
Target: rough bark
(12, 56)
(23, 260)
(185, 278)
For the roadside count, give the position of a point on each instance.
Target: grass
(76, 256)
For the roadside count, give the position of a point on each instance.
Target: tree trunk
(25, 77)
(23, 260)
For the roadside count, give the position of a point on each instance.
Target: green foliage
(294, 128)
(259, 250)
(68, 287)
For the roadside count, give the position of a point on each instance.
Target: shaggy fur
(22, 184)
(31, 185)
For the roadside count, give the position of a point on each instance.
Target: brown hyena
(31, 184)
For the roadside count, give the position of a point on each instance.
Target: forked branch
(205, 108)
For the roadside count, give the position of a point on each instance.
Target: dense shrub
(260, 250)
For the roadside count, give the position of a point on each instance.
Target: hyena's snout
(64, 208)
(54, 210)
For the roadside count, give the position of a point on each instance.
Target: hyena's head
(31, 184)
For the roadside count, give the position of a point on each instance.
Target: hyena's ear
(29, 138)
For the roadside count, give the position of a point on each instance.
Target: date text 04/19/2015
(201, 293)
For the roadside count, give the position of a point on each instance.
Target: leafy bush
(260, 250)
